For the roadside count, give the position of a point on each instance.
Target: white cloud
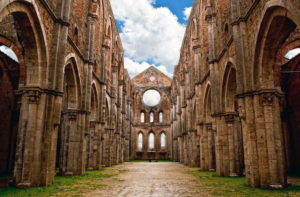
(187, 12)
(9, 52)
(293, 53)
(148, 33)
(135, 68)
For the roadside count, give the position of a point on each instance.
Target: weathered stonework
(142, 83)
(239, 99)
(63, 95)
(231, 107)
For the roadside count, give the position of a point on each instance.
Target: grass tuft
(236, 186)
(64, 186)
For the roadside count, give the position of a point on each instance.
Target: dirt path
(151, 179)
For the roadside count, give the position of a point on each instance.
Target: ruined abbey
(68, 104)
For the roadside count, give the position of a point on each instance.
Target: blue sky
(176, 7)
(151, 32)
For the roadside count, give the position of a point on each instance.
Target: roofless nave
(232, 106)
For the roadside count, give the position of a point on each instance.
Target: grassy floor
(65, 186)
(226, 186)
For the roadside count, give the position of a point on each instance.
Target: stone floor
(151, 180)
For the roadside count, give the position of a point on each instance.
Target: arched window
(160, 117)
(142, 117)
(140, 141)
(293, 53)
(163, 140)
(151, 117)
(151, 141)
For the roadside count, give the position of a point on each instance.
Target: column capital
(72, 115)
(92, 124)
(229, 118)
(33, 97)
(114, 68)
(267, 99)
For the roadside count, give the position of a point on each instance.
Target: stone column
(195, 151)
(274, 140)
(94, 147)
(107, 148)
(70, 143)
(204, 149)
(211, 148)
(29, 139)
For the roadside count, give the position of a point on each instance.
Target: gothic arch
(207, 104)
(94, 103)
(72, 79)
(36, 53)
(229, 88)
(138, 138)
(18, 52)
(276, 14)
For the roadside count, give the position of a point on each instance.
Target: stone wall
(230, 48)
(72, 90)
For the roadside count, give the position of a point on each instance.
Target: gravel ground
(151, 179)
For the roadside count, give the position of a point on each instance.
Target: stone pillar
(26, 179)
(98, 146)
(175, 150)
(94, 147)
(263, 140)
(211, 148)
(107, 148)
(204, 149)
(70, 160)
(195, 150)
(180, 149)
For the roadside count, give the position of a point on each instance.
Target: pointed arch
(140, 141)
(278, 19)
(207, 104)
(37, 57)
(94, 103)
(229, 88)
(151, 140)
(72, 79)
(163, 140)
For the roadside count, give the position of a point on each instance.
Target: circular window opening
(152, 78)
(151, 97)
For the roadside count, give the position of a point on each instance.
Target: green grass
(227, 186)
(64, 186)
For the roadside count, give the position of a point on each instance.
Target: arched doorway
(10, 110)
(278, 21)
(69, 135)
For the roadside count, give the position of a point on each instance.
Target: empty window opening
(151, 98)
(151, 141)
(293, 53)
(142, 117)
(140, 141)
(163, 140)
(151, 117)
(9, 52)
(152, 78)
(160, 117)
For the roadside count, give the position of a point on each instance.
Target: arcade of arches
(232, 106)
